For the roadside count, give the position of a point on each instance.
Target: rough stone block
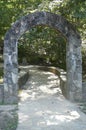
(1, 93)
(23, 77)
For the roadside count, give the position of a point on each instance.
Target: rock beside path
(8, 117)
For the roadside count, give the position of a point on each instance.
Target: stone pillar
(74, 69)
(10, 70)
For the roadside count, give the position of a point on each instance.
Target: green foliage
(75, 12)
(43, 45)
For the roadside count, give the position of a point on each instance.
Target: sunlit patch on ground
(1, 80)
(43, 107)
(38, 87)
(57, 118)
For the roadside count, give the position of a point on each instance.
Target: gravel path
(42, 106)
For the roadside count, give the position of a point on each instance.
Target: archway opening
(42, 46)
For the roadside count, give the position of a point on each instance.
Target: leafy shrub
(43, 45)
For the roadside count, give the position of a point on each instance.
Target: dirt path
(42, 106)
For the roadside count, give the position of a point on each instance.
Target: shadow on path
(42, 106)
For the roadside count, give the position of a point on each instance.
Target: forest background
(44, 45)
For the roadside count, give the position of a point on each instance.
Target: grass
(12, 125)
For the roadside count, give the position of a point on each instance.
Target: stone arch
(73, 54)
